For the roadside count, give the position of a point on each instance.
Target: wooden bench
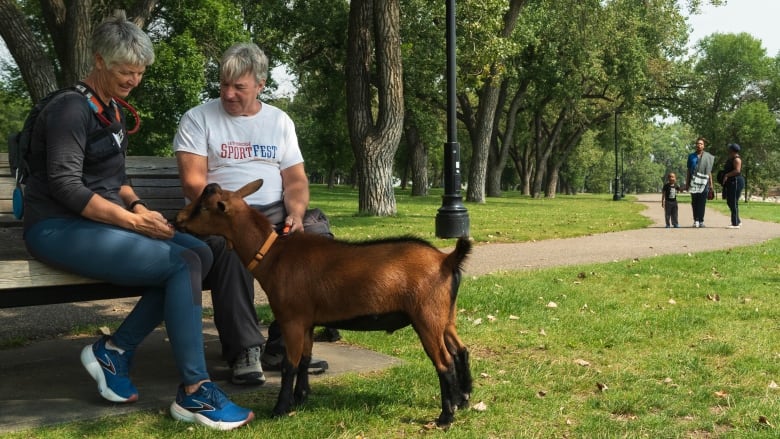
(26, 282)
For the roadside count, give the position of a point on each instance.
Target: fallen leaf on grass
(713, 297)
(477, 321)
(722, 394)
(511, 317)
(763, 420)
(602, 387)
(480, 406)
(541, 393)
(552, 305)
(581, 362)
(491, 318)
(430, 426)
(672, 302)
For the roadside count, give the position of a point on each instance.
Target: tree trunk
(488, 101)
(70, 26)
(499, 154)
(374, 47)
(418, 153)
(36, 68)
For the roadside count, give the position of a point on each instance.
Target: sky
(759, 18)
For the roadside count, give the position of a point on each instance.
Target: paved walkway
(43, 383)
(652, 241)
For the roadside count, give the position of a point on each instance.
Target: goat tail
(458, 256)
(455, 261)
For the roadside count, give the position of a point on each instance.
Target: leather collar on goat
(263, 250)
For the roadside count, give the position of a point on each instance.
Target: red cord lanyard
(97, 107)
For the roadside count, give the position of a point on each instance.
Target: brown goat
(312, 280)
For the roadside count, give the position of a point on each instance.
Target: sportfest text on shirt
(243, 150)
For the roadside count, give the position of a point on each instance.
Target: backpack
(19, 143)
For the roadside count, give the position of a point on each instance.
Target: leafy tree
(488, 27)
(728, 98)
(48, 41)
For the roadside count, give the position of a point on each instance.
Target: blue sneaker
(209, 406)
(110, 369)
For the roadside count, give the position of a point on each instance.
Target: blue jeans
(172, 269)
(733, 190)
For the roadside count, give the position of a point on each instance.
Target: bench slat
(25, 282)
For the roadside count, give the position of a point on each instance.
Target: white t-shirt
(241, 149)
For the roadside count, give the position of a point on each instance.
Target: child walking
(669, 200)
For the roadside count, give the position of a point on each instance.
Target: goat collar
(262, 252)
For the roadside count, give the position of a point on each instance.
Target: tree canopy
(540, 85)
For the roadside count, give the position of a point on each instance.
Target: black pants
(670, 213)
(699, 204)
(733, 190)
(233, 297)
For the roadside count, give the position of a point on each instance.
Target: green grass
(757, 210)
(512, 218)
(676, 362)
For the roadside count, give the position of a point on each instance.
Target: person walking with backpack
(698, 180)
(82, 216)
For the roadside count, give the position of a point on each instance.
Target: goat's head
(211, 213)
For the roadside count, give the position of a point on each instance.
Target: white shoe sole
(94, 369)
(181, 414)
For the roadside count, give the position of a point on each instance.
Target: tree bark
(418, 158)
(70, 26)
(499, 153)
(36, 68)
(374, 46)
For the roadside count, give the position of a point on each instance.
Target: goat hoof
(300, 399)
(445, 420)
(280, 412)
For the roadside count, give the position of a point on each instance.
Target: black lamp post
(452, 220)
(622, 173)
(616, 197)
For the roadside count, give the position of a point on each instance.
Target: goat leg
(284, 402)
(302, 388)
(463, 373)
(449, 386)
(460, 356)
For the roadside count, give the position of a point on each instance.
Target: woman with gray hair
(82, 216)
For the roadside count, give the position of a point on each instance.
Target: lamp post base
(452, 221)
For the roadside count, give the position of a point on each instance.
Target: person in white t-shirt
(232, 141)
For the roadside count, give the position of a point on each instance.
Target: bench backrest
(7, 184)
(155, 179)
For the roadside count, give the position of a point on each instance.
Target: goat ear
(222, 206)
(250, 188)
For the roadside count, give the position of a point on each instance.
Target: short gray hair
(120, 41)
(243, 58)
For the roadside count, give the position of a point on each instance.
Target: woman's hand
(152, 224)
